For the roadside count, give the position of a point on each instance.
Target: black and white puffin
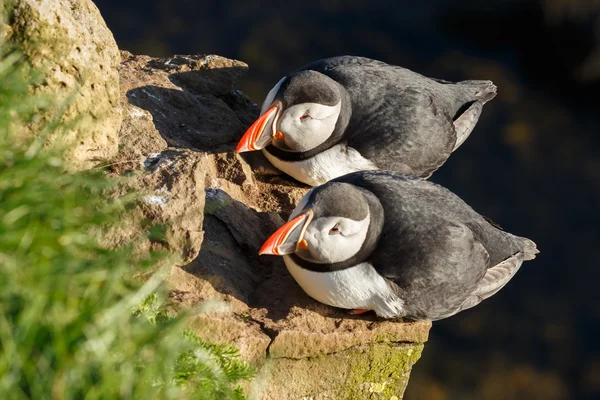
(395, 244)
(345, 114)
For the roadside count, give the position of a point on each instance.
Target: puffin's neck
(336, 136)
(367, 248)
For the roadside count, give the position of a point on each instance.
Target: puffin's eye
(334, 230)
(305, 116)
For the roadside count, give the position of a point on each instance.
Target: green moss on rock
(370, 371)
(382, 372)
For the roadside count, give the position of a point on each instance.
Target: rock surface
(182, 119)
(70, 41)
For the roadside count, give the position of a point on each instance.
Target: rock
(69, 40)
(182, 120)
(222, 317)
(369, 371)
(204, 116)
(174, 142)
(171, 189)
(320, 352)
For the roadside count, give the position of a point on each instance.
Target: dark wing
(471, 97)
(492, 222)
(401, 120)
(434, 271)
(407, 128)
(494, 279)
(343, 65)
(465, 122)
(435, 249)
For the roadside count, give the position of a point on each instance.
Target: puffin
(345, 114)
(399, 245)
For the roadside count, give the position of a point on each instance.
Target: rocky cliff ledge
(181, 118)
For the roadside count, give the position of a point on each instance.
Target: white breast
(325, 166)
(356, 287)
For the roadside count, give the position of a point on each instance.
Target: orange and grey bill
(254, 133)
(279, 244)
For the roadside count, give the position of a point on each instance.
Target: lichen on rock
(369, 371)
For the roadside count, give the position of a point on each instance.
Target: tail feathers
(479, 90)
(529, 249)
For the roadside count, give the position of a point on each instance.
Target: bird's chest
(323, 167)
(354, 287)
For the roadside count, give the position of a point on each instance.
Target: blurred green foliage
(74, 324)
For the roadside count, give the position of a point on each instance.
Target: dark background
(532, 164)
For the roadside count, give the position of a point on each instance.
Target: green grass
(74, 324)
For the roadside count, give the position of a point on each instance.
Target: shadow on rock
(217, 82)
(233, 233)
(191, 98)
(185, 120)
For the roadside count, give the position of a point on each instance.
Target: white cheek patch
(326, 248)
(271, 96)
(303, 134)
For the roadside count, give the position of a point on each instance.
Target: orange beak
(288, 237)
(258, 136)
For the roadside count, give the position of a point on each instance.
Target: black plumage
(438, 255)
(396, 118)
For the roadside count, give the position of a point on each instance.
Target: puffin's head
(331, 224)
(300, 113)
